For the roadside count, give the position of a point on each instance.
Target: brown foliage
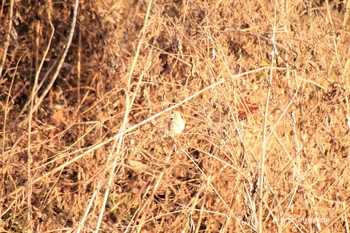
(263, 90)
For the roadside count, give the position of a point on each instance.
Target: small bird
(176, 123)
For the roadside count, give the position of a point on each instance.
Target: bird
(176, 123)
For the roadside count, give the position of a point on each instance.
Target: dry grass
(263, 87)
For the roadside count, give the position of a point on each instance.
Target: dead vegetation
(85, 141)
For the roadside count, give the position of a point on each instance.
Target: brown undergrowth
(85, 140)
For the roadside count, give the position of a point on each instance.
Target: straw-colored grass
(88, 94)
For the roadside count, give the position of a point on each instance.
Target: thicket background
(86, 95)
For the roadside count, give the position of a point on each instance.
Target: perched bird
(176, 123)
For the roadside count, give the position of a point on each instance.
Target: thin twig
(60, 63)
(30, 118)
(129, 103)
(263, 153)
(336, 219)
(7, 39)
